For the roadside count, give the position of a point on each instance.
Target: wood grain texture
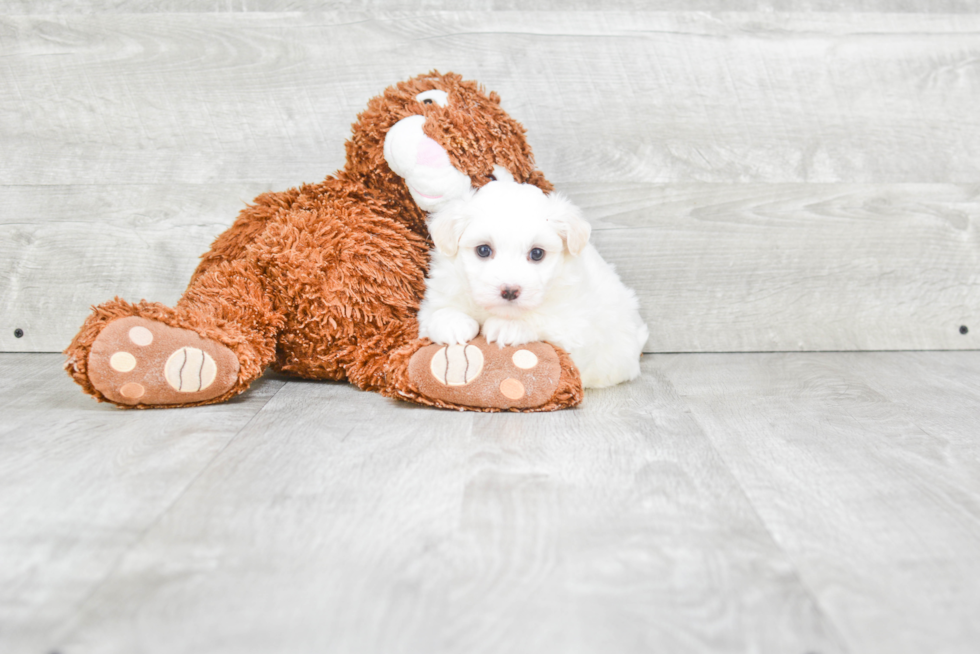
(339, 521)
(802, 180)
(874, 495)
(618, 96)
(744, 267)
(797, 266)
(81, 482)
(795, 502)
(15, 7)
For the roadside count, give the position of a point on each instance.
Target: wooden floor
(789, 503)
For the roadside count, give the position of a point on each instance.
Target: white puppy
(518, 264)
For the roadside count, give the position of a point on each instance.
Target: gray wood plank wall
(786, 176)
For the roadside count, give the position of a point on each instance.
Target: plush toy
(324, 281)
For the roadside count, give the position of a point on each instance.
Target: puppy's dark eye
(483, 251)
(493, 178)
(536, 254)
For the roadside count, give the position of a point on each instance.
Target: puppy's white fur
(571, 297)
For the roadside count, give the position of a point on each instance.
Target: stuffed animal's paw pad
(457, 365)
(486, 376)
(525, 359)
(189, 370)
(135, 360)
(512, 389)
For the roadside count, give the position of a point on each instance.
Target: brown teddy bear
(324, 281)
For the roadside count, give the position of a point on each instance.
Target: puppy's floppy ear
(569, 222)
(446, 227)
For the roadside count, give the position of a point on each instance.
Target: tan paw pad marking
(499, 382)
(141, 336)
(512, 389)
(525, 359)
(122, 361)
(132, 390)
(189, 370)
(457, 365)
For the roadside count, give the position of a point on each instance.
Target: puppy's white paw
(452, 327)
(508, 332)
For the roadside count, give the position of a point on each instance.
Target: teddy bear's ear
(446, 228)
(570, 223)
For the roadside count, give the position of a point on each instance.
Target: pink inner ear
(431, 154)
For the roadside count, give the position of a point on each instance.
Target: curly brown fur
(324, 280)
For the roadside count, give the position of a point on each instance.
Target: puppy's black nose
(510, 292)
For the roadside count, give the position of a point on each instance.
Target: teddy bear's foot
(486, 376)
(136, 361)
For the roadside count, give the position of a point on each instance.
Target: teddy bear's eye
(435, 96)
(483, 251)
(536, 254)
